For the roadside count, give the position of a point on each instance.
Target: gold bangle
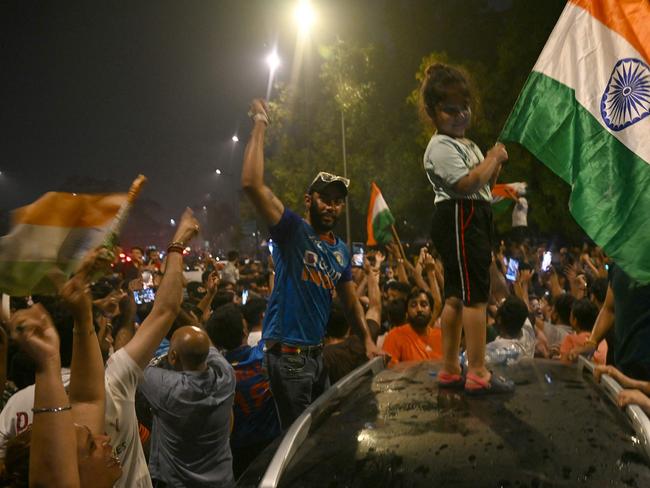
(591, 342)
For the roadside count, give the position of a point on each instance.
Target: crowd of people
(134, 376)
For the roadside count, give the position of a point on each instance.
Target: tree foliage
(376, 88)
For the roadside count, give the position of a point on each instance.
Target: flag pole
(118, 222)
(399, 243)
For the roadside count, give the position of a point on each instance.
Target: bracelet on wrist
(259, 117)
(591, 342)
(176, 246)
(51, 409)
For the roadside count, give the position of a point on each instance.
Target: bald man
(191, 406)
(188, 349)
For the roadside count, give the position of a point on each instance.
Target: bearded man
(310, 263)
(417, 340)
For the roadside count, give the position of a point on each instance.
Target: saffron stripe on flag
(630, 19)
(71, 210)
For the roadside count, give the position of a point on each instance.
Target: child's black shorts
(462, 233)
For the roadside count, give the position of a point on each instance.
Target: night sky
(112, 89)
(107, 90)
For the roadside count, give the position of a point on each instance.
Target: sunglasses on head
(330, 178)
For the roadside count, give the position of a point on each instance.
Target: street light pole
(345, 175)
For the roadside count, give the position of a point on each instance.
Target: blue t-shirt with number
(307, 269)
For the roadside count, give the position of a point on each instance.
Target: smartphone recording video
(513, 268)
(146, 295)
(358, 251)
(546, 261)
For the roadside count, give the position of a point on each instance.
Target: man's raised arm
(252, 176)
(354, 315)
(168, 299)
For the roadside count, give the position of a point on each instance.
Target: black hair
(511, 316)
(416, 292)
(225, 327)
(102, 288)
(337, 326)
(193, 289)
(253, 310)
(562, 305)
(63, 323)
(138, 248)
(441, 81)
(585, 313)
(222, 298)
(395, 312)
(205, 275)
(233, 255)
(398, 286)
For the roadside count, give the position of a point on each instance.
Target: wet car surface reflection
(398, 430)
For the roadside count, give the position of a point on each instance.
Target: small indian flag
(585, 113)
(380, 220)
(53, 234)
(505, 194)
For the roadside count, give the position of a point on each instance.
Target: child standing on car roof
(462, 225)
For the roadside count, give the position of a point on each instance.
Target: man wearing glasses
(310, 263)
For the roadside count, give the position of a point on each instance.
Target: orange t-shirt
(404, 344)
(575, 340)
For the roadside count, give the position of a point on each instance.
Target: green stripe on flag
(610, 195)
(502, 206)
(23, 278)
(381, 225)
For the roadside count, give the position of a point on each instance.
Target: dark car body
(398, 429)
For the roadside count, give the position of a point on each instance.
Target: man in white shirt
(124, 369)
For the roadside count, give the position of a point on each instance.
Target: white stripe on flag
(44, 243)
(581, 54)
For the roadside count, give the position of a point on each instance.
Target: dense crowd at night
(178, 367)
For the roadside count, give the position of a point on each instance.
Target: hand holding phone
(513, 268)
(358, 252)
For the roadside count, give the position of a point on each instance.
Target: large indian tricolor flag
(585, 113)
(380, 220)
(52, 235)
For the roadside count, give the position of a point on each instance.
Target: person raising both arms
(462, 225)
(310, 264)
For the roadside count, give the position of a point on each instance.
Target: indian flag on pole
(380, 220)
(53, 234)
(505, 194)
(585, 113)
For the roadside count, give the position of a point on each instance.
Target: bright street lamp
(304, 15)
(273, 62)
(235, 138)
(218, 171)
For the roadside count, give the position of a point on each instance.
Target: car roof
(398, 429)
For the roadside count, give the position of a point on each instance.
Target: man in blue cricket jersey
(310, 263)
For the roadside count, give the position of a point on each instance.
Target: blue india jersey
(256, 418)
(307, 269)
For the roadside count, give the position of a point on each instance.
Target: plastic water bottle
(501, 354)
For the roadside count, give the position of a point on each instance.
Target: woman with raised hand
(66, 444)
